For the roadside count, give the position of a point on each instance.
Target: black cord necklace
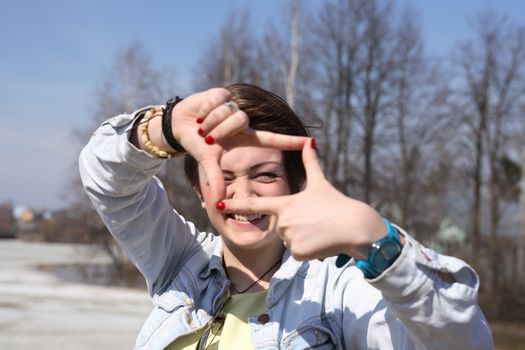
(254, 283)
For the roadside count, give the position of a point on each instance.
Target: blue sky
(54, 53)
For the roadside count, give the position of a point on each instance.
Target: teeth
(247, 218)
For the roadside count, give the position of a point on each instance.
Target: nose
(240, 188)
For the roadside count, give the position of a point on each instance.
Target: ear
(199, 195)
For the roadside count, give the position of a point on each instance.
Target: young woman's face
(248, 172)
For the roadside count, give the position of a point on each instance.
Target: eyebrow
(258, 166)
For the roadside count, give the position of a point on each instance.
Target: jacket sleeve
(119, 180)
(423, 301)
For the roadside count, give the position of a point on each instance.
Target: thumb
(311, 162)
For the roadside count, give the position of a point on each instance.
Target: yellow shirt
(231, 331)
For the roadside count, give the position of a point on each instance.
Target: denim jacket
(423, 301)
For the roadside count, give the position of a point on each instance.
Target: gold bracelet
(144, 134)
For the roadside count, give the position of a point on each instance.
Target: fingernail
(199, 120)
(209, 139)
(200, 132)
(220, 205)
(312, 143)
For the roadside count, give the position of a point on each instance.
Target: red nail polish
(200, 132)
(220, 205)
(209, 139)
(312, 143)
(199, 120)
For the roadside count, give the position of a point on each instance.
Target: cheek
(279, 188)
(206, 197)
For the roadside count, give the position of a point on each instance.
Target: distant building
(7, 221)
(28, 225)
(66, 225)
(448, 238)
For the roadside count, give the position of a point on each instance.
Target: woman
(270, 279)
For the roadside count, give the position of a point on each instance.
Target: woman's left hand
(319, 221)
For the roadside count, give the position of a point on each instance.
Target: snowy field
(41, 311)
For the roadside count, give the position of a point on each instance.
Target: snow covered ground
(41, 311)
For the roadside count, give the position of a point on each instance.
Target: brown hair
(267, 112)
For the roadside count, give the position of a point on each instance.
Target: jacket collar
(215, 262)
(283, 278)
(280, 282)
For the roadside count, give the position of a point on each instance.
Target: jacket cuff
(419, 270)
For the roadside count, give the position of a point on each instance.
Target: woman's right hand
(207, 122)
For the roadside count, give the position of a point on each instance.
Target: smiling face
(248, 172)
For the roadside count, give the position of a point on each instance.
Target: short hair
(267, 112)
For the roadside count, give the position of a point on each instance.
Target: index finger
(212, 99)
(255, 205)
(270, 139)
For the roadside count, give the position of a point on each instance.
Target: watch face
(384, 253)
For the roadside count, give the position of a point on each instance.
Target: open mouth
(252, 218)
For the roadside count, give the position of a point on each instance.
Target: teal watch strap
(381, 255)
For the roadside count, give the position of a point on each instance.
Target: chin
(248, 240)
(249, 234)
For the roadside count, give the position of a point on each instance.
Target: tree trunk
(520, 261)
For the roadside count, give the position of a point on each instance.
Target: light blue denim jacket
(423, 301)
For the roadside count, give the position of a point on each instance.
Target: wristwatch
(381, 254)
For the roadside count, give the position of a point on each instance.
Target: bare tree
(336, 34)
(294, 55)
(133, 81)
(418, 120)
(492, 66)
(229, 57)
(353, 43)
(520, 258)
(377, 65)
(278, 53)
(236, 55)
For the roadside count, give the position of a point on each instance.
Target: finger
(269, 139)
(229, 126)
(214, 178)
(213, 98)
(219, 115)
(255, 205)
(311, 162)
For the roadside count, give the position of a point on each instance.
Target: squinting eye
(266, 177)
(228, 179)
